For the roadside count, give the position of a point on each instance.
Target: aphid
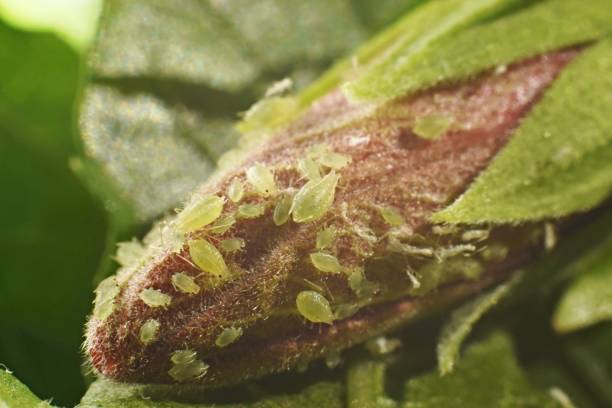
(345, 310)
(315, 151)
(228, 336)
(128, 253)
(445, 229)
(432, 126)
(262, 179)
(279, 87)
(360, 285)
(413, 278)
(454, 250)
(106, 292)
(475, 235)
(154, 297)
(205, 211)
(235, 190)
(396, 246)
(309, 169)
(314, 307)
(251, 210)
(208, 258)
(186, 366)
(334, 160)
(185, 283)
(391, 216)
(282, 210)
(314, 199)
(325, 262)
(223, 224)
(148, 331)
(381, 345)
(232, 244)
(325, 237)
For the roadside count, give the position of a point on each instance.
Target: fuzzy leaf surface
(559, 160)
(529, 31)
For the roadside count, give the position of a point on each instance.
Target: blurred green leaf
(167, 79)
(487, 377)
(560, 159)
(365, 385)
(462, 321)
(14, 394)
(105, 393)
(588, 300)
(52, 229)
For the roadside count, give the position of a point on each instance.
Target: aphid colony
(309, 203)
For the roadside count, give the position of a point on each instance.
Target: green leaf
(365, 385)
(105, 393)
(532, 30)
(462, 321)
(419, 31)
(488, 377)
(52, 229)
(560, 159)
(588, 300)
(14, 394)
(169, 78)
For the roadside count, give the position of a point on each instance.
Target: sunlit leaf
(14, 394)
(560, 159)
(530, 31)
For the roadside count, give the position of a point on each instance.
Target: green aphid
(315, 151)
(360, 285)
(314, 307)
(345, 310)
(155, 298)
(235, 191)
(392, 216)
(128, 253)
(432, 126)
(262, 179)
(186, 367)
(185, 283)
(148, 331)
(334, 160)
(325, 237)
(208, 258)
(228, 336)
(106, 292)
(205, 211)
(232, 244)
(314, 199)
(223, 224)
(309, 169)
(251, 210)
(325, 262)
(282, 210)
